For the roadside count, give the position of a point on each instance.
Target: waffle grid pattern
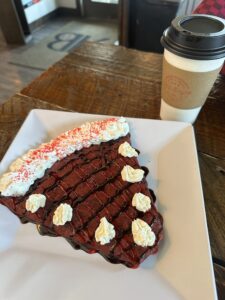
(89, 180)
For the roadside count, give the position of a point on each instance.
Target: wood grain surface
(213, 180)
(112, 80)
(12, 115)
(220, 281)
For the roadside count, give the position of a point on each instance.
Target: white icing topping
(62, 214)
(142, 233)
(141, 202)
(126, 150)
(105, 232)
(132, 175)
(24, 171)
(34, 202)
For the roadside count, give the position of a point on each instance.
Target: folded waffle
(87, 186)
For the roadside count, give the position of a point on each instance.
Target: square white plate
(35, 267)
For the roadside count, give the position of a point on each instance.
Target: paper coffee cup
(193, 56)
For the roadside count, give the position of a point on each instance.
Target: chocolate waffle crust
(89, 180)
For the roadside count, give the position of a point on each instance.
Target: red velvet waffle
(90, 181)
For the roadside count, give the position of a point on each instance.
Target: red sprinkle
(76, 134)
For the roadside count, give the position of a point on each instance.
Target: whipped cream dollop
(126, 150)
(132, 175)
(34, 202)
(105, 232)
(62, 214)
(26, 169)
(141, 202)
(142, 233)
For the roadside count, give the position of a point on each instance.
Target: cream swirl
(34, 202)
(132, 175)
(105, 232)
(126, 150)
(141, 202)
(62, 214)
(142, 233)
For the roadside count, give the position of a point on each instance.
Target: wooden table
(103, 79)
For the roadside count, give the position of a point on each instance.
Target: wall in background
(187, 6)
(44, 7)
(40, 9)
(67, 3)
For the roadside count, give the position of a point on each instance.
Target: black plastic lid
(199, 37)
